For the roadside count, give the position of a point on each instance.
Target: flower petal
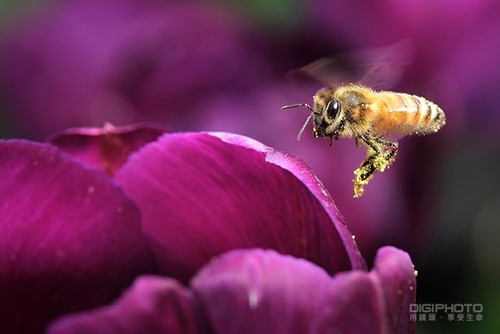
(106, 148)
(151, 305)
(201, 196)
(375, 302)
(257, 291)
(353, 304)
(395, 272)
(300, 170)
(69, 238)
(266, 292)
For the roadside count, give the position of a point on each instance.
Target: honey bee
(368, 116)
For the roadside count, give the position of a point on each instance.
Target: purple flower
(197, 209)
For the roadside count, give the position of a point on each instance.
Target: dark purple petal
(70, 239)
(257, 291)
(301, 171)
(375, 302)
(396, 275)
(353, 304)
(201, 195)
(106, 148)
(151, 305)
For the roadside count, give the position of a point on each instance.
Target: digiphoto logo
(449, 312)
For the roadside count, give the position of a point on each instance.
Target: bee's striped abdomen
(405, 113)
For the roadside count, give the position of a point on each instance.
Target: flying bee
(368, 116)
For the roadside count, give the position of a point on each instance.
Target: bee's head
(326, 115)
(329, 120)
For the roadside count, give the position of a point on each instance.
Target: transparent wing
(378, 67)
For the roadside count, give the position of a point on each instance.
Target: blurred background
(229, 65)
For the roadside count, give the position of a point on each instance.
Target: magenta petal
(354, 304)
(69, 238)
(106, 148)
(396, 275)
(201, 195)
(301, 171)
(375, 302)
(257, 291)
(151, 305)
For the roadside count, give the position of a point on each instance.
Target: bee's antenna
(308, 118)
(297, 106)
(304, 127)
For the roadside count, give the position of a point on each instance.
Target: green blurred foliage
(269, 15)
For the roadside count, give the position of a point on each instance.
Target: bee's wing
(380, 67)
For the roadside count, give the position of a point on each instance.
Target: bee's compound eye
(332, 109)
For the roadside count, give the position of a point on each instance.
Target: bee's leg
(334, 137)
(358, 141)
(387, 158)
(364, 173)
